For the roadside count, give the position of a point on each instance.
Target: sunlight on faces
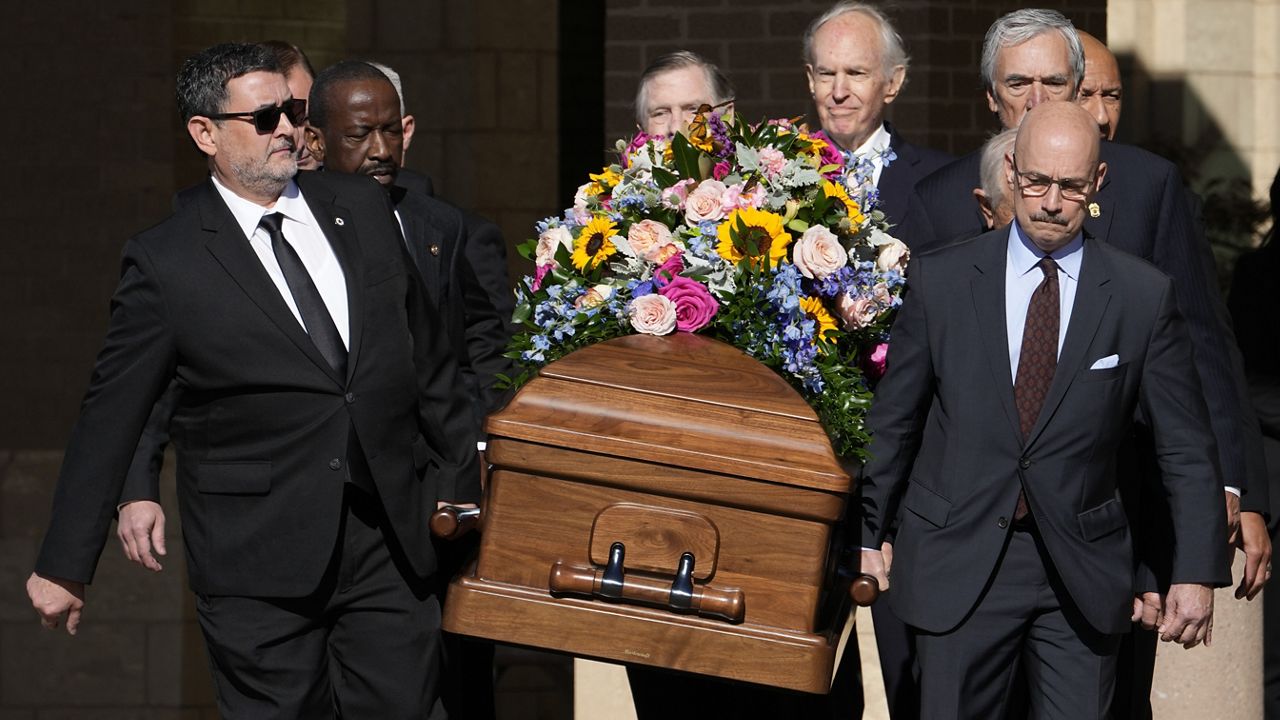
(253, 165)
(300, 85)
(1056, 142)
(1100, 93)
(847, 79)
(1026, 75)
(672, 99)
(364, 133)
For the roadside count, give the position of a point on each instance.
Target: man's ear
(1102, 173)
(407, 125)
(808, 73)
(896, 79)
(984, 207)
(991, 102)
(203, 133)
(315, 143)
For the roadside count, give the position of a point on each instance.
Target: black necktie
(315, 316)
(1038, 359)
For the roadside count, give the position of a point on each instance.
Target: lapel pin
(340, 223)
(435, 249)
(1094, 210)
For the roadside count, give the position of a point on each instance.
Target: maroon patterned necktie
(1039, 357)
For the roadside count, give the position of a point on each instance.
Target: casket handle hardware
(681, 595)
(451, 522)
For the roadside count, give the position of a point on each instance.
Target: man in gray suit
(1016, 367)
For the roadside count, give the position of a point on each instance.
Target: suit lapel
(228, 245)
(422, 237)
(1092, 297)
(339, 229)
(987, 287)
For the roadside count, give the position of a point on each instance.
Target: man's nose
(1052, 201)
(379, 147)
(1037, 95)
(1093, 104)
(840, 87)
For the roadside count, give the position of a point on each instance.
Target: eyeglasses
(266, 119)
(1037, 185)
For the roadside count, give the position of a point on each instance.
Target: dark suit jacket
(945, 435)
(437, 240)
(899, 178)
(266, 432)
(1142, 210)
(486, 250)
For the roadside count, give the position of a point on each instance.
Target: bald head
(1101, 90)
(1055, 168)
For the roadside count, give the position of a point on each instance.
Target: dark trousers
(665, 694)
(1024, 619)
(365, 644)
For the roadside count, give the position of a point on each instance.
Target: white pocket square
(1109, 361)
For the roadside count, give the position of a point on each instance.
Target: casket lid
(683, 400)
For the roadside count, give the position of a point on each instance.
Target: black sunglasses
(266, 119)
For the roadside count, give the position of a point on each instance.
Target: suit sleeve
(142, 481)
(134, 366)
(486, 340)
(1173, 402)
(916, 230)
(1183, 253)
(487, 252)
(897, 416)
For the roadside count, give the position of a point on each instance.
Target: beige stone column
(1223, 681)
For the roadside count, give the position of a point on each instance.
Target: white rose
(893, 256)
(818, 253)
(653, 314)
(706, 202)
(548, 243)
(594, 297)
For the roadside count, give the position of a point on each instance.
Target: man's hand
(873, 564)
(55, 597)
(1188, 616)
(1233, 517)
(141, 530)
(1256, 544)
(886, 549)
(1148, 609)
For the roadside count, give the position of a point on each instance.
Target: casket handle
(864, 589)
(681, 595)
(451, 522)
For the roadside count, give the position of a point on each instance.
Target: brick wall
(758, 43)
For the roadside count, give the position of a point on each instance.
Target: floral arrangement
(756, 235)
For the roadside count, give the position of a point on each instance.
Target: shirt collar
(249, 213)
(879, 140)
(1024, 255)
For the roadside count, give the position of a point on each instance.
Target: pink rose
(881, 295)
(735, 197)
(706, 202)
(653, 314)
(875, 363)
(669, 268)
(666, 252)
(549, 242)
(893, 256)
(772, 161)
(647, 237)
(694, 305)
(720, 171)
(818, 253)
(674, 197)
(856, 313)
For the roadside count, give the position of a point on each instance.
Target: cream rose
(662, 254)
(706, 202)
(549, 242)
(594, 297)
(818, 253)
(855, 313)
(653, 314)
(647, 236)
(893, 256)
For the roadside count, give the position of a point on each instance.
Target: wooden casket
(665, 501)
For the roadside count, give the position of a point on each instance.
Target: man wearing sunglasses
(318, 420)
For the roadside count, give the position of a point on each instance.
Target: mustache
(285, 143)
(1047, 218)
(379, 168)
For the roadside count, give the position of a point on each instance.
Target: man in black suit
(1013, 547)
(1034, 55)
(317, 424)
(856, 65)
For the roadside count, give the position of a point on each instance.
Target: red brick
(729, 24)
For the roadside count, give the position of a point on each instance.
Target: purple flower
(694, 305)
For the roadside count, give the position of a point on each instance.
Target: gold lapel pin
(340, 223)
(435, 249)
(1094, 210)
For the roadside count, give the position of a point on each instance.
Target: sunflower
(605, 179)
(818, 313)
(836, 190)
(593, 245)
(753, 234)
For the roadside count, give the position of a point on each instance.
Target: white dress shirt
(1022, 276)
(303, 233)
